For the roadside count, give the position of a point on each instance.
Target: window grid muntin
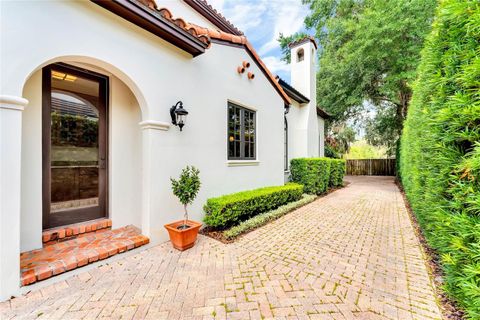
(245, 124)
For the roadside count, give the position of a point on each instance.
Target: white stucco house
(87, 93)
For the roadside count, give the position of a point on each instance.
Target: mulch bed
(449, 308)
(218, 234)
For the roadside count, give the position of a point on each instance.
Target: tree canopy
(369, 51)
(362, 150)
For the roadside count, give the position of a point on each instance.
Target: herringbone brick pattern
(350, 255)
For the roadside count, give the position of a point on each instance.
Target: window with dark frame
(241, 133)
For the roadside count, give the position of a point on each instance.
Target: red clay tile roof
(302, 41)
(205, 34)
(179, 22)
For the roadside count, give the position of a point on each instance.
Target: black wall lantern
(178, 114)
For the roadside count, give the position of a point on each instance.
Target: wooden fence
(371, 167)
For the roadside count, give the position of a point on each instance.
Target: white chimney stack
(303, 78)
(303, 66)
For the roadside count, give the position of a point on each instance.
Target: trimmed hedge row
(337, 172)
(440, 148)
(229, 210)
(317, 174)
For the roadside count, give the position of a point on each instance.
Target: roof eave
(322, 113)
(214, 17)
(292, 92)
(149, 21)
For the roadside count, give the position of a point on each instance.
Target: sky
(262, 21)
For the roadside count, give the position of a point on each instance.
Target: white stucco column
(11, 108)
(149, 129)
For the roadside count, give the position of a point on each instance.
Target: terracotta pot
(185, 238)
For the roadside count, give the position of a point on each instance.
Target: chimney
(303, 78)
(303, 66)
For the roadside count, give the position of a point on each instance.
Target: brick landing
(87, 248)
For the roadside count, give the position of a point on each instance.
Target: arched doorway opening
(89, 132)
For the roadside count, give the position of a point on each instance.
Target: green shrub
(330, 152)
(229, 210)
(317, 174)
(263, 218)
(337, 172)
(440, 148)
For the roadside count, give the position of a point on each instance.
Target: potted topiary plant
(183, 233)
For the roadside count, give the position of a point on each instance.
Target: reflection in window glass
(74, 142)
(241, 133)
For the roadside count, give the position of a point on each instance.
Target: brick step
(67, 255)
(72, 231)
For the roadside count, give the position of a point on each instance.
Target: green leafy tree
(362, 150)
(339, 140)
(186, 188)
(384, 129)
(369, 51)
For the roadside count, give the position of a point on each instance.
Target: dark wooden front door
(74, 138)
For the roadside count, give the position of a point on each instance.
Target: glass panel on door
(74, 153)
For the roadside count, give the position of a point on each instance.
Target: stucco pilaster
(11, 108)
(149, 129)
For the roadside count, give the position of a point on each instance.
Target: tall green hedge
(317, 174)
(440, 148)
(229, 210)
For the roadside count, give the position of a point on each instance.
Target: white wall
(203, 142)
(302, 119)
(321, 136)
(297, 131)
(31, 183)
(125, 157)
(158, 75)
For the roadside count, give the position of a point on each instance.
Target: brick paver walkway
(350, 255)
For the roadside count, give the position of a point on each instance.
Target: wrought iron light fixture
(178, 114)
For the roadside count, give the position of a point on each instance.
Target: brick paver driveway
(350, 255)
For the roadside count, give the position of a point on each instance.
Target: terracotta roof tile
(221, 17)
(179, 22)
(302, 41)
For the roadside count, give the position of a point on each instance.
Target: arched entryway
(81, 147)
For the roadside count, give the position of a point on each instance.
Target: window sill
(241, 163)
